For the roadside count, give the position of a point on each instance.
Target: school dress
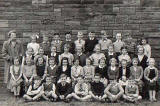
(67, 55)
(40, 70)
(89, 72)
(96, 57)
(76, 71)
(34, 46)
(151, 73)
(97, 88)
(102, 71)
(16, 73)
(113, 73)
(64, 70)
(81, 88)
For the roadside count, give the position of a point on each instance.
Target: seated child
(64, 89)
(76, 70)
(104, 41)
(95, 57)
(34, 91)
(29, 71)
(41, 67)
(81, 90)
(16, 77)
(89, 71)
(79, 42)
(66, 54)
(113, 70)
(97, 89)
(49, 89)
(132, 92)
(34, 45)
(118, 43)
(52, 70)
(80, 55)
(56, 41)
(151, 75)
(54, 54)
(114, 91)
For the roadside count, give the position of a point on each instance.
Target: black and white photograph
(80, 52)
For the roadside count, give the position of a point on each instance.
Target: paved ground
(7, 99)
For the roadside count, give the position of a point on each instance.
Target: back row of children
(86, 69)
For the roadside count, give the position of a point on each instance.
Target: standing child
(34, 44)
(16, 77)
(80, 56)
(151, 75)
(97, 89)
(104, 41)
(89, 71)
(52, 70)
(114, 91)
(29, 71)
(66, 54)
(90, 43)
(81, 90)
(57, 43)
(113, 70)
(40, 54)
(64, 89)
(132, 92)
(69, 41)
(124, 55)
(45, 45)
(118, 43)
(95, 57)
(34, 91)
(49, 89)
(80, 42)
(76, 70)
(147, 48)
(54, 54)
(29, 53)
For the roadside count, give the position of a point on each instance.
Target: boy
(45, 45)
(104, 41)
(81, 90)
(90, 43)
(97, 89)
(118, 43)
(49, 89)
(114, 91)
(34, 91)
(64, 89)
(131, 92)
(80, 56)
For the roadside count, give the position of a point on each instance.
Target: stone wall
(135, 17)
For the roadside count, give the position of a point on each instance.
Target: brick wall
(136, 17)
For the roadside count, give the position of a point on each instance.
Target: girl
(57, 42)
(142, 58)
(102, 70)
(113, 71)
(29, 71)
(88, 70)
(54, 54)
(151, 75)
(124, 55)
(136, 73)
(34, 91)
(147, 47)
(40, 54)
(64, 68)
(34, 44)
(66, 54)
(76, 70)
(79, 42)
(95, 57)
(104, 41)
(16, 77)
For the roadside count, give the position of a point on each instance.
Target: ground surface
(7, 99)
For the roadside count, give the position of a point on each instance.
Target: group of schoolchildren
(85, 70)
